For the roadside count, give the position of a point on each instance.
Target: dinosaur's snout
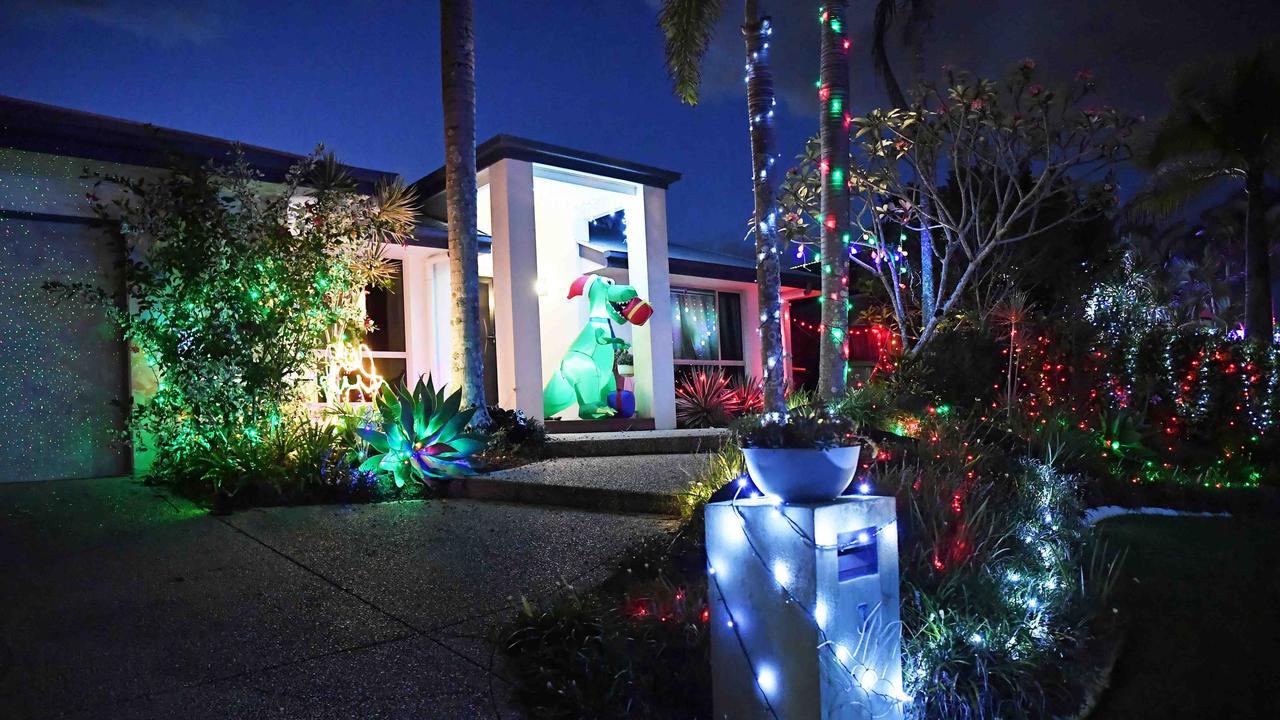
(637, 311)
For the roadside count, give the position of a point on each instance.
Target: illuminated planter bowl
(803, 475)
(626, 370)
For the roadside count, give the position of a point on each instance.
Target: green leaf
(374, 437)
(447, 411)
(465, 445)
(373, 462)
(455, 426)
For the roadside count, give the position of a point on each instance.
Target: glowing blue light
(781, 573)
(864, 488)
(768, 680)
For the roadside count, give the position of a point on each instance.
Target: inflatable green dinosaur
(586, 374)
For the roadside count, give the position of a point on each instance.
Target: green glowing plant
(232, 285)
(423, 436)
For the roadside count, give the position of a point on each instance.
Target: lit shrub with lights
(233, 287)
(1002, 588)
(1004, 592)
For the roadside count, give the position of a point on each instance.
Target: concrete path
(622, 483)
(118, 601)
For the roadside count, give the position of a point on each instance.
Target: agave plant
(424, 435)
(748, 395)
(704, 399)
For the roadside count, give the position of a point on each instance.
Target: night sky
(363, 77)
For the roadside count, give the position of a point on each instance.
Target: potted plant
(806, 458)
(624, 361)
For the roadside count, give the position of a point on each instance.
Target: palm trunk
(769, 250)
(834, 137)
(1257, 301)
(458, 86)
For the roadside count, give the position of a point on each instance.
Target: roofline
(50, 129)
(511, 147)
(698, 268)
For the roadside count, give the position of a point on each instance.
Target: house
(548, 215)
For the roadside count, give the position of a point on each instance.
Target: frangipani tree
(980, 164)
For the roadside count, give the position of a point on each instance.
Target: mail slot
(857, 554)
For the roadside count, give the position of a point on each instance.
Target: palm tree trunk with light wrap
(834, 139)
(760, 101)
(458, 87)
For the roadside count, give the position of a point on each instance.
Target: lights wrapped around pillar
(804, 609)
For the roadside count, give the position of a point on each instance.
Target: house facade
(548, 216)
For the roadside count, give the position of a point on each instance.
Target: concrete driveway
(118, 601)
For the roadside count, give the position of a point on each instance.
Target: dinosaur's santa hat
(580, 285)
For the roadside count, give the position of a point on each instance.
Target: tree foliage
(981, 165)
(233, 286)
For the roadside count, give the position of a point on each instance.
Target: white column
(649, 273)
(417, 306)
(515, 271)
(750, 321)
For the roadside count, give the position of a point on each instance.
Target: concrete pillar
(804, 609)
(515, 270)
(751, 333)
(650, 274)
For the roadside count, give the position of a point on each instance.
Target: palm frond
(886, 13)
(397, 209)
(1177, 182)
(328, 174)
(687, 26)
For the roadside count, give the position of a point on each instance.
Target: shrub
(585, 655)
(799, 431)
(1001, 591)
(1000, 583)
(704, 399)
(720, 468)
(232, 289)
(514, 436)
(748, 395)
(290, 459)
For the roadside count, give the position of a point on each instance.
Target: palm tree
(833, 92)
(916, 17)
(687, 25)
(1224, 126)
(458, 87)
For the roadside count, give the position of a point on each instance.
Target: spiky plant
(424, 435)
(704, 399)
(748, 395)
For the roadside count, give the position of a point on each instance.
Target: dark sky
(363, 77)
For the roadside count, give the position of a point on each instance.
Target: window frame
(679, 362)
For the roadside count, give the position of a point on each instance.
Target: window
(349, 372)
(707, 328)
(387, 340)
